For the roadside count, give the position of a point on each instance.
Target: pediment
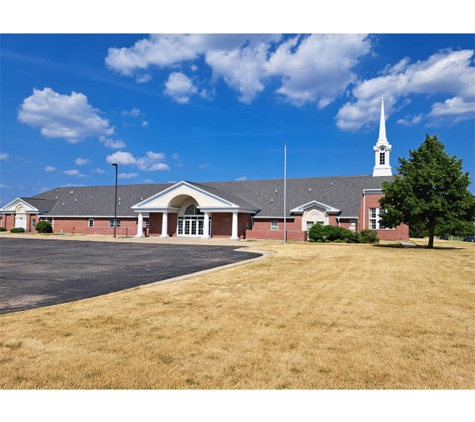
(315, 204)
(19, 206)
(172, 197)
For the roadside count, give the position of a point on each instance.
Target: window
(382, 158)
(274, 225)
(33, 222)
(309, 225)
(90, 223)
(374, 214)
(111, 223)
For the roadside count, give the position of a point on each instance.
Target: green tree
(432, 190)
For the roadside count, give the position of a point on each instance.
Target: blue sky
(216, 107)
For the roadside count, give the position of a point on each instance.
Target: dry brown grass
(308, 316)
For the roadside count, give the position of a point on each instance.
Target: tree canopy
(432, 191)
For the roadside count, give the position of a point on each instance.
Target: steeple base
(382, 171)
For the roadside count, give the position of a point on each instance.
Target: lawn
(307, 316)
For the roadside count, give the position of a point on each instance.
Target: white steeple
(382, 149)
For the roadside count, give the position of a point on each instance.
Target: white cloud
(410, 120)
(311, 68)
(99, 171)
(134, 112)
(127, 175)
(241, 179)
(76, 173)
(50, 168)
(152, 161)
(70, 117)
(446, 72)
(317, 67)
(4, 156)
(453, 110)
(180, 87)
(110, 143)
(82, 161)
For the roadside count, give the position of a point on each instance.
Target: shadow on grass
(414, 246)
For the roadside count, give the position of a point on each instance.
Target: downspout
(364, 211)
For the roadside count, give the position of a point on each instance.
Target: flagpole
(285, 192)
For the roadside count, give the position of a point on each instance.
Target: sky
(204, 107)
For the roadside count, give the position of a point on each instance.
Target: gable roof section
(340, 192)
(32, 205)
(208, 198)
(304, 207)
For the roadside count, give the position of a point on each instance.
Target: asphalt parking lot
(38, 272)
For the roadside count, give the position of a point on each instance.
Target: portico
(189, 210)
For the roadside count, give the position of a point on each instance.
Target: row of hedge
(322, 234)
(41, 227)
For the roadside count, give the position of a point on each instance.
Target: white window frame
(274, 225)
(111, 223)
(374, 218)
(90, 222)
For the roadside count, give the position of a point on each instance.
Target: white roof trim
(10, 207)
(143, 204)
(301, 208)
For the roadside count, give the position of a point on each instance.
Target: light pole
(115, 203)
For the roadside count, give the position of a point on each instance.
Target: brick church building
(249, 209)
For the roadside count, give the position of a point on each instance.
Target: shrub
(369, 236)
(17, 230)
(3, 229)
(44, 227)
(320, 233)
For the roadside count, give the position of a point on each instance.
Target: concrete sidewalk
(146, 240)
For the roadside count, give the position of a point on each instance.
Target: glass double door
(192, 225)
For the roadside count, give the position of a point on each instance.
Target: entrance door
(192, 223)
(20, 220)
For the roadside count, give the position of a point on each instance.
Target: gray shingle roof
(266, 196)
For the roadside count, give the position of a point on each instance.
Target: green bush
(320, 233)
(3, 229)
(17, 230)
(44, 227)
(369, 236)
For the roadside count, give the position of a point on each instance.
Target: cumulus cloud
(180, 87)
(111, 143)
(134, 112)
(310, 68)
(446, 72)
(70, 117)
(127, 175)
(152, 161)
(82, 161)
(99, 171)
(4, 156)
(317, 67)
(76, 173)
(50, 168)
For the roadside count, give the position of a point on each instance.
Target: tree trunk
(431, 233)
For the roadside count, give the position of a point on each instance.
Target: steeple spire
(382, 125)
(382, 149)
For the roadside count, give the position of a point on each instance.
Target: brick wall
(401, 232)
(128, 226)
(262, 230)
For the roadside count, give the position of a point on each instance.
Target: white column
(164, 225)
(140, 226)
(234, 235)
(206, 226)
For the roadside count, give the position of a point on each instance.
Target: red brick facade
(368, 201)
(8, 221)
